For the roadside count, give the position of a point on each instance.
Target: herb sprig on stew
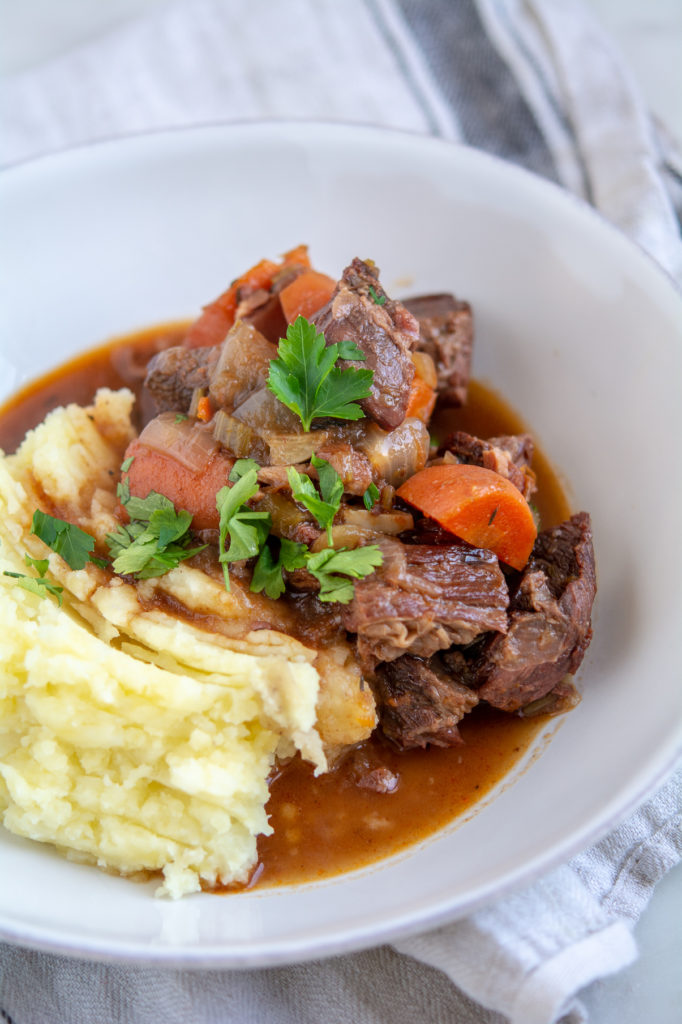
(156, 539)
(306, 379)
(327, 503)
(249, 534)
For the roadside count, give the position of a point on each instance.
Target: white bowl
(575, 326)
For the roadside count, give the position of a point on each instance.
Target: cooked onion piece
(242, 366)
(391, 523)
(397, 454)
(181, 439)
(238, 437)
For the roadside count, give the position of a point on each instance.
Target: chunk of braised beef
(425, 598)
(174, 373)
(361, 312)
(418, 703)
(446, 334)
(365, 767)
(263, 310)
(509, 456)
(460, 663)
(519, 447)
(549, 623)
(352, 466)
(428, 531)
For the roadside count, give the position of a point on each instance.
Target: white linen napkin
(534, 82)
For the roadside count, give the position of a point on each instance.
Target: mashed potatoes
(129, 737)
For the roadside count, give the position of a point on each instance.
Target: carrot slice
(218, 316)
(204, 409)
(298, 256)
(422, 397)
(421, 400)
(477, 505)
(152, 470)
(306, 294)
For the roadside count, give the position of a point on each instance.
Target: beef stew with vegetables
(285, 444)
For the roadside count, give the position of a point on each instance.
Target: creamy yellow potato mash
(129, 737)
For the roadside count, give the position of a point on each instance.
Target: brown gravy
(329, 825)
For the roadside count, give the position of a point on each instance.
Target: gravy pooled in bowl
(300, 485)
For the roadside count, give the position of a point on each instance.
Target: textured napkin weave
(536, 83)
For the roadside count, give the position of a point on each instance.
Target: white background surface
(649, 33)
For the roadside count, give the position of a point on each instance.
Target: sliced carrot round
(152, 470)
(477, 505)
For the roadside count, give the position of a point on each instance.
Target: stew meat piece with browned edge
(446, 333)
(385, 330)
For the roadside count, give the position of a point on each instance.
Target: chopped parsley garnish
(41, 565)
(323, 508)
(247, 530)
(349, 350)
(379, 300)
(180, 417)
(123, 491)
(370, 497)
(155, 540)
(249, 533)
(36, 585)
(73, 544)
(305, 378)
(241, 467)
(268, 571)
(332, 568)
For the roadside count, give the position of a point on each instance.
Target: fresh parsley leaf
(330, 568)
(241, 467)
(304, 377)
(268, 571)
(155, 540)
(349, 350)
(41, 565)
(230, 499)
(247, 529)
(36, 585)
(169, 525)
(131, 550)
(180, 417)
(142, 509)
(123, 491)
(331, 484)
(73, 544)
(323, 508)
(370, 497)
(379, 300)
(248, 532)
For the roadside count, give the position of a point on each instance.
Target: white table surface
(649, 33)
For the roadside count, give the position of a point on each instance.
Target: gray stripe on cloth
(525, 53)
(474, 79)
(384, 24)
